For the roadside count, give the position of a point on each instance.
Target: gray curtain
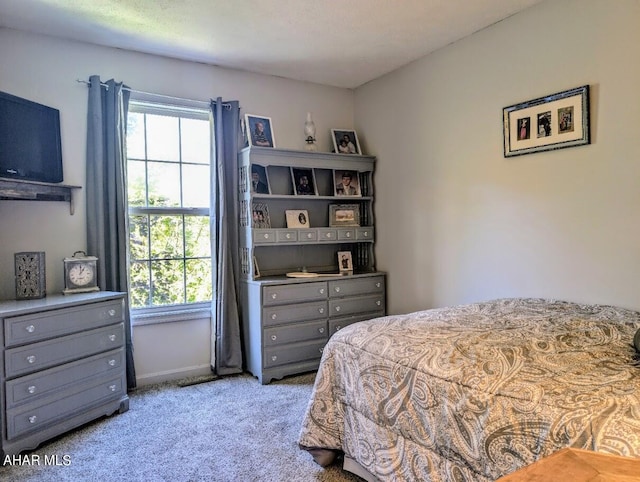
(226, 347)
(106, 192)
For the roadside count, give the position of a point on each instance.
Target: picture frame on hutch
(259, 180)
(304, 181)
(345, 141)
(346, 183)
(259, 131)
(344, 215)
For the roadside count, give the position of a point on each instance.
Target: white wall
(45, 70)
(458, 222)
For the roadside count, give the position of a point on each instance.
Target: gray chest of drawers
(286, 332)
(63, 364)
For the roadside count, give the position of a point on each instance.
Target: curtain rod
(225, 105)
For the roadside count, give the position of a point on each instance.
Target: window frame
(159, 105)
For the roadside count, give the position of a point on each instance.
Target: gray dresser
(286, 331)
(63, 365)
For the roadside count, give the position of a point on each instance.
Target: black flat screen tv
(30, 147)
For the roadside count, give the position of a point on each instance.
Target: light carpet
(228, 429)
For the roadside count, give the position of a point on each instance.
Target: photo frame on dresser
(259, 181)
(346, 183)
(297, 218)
(304, 181)
(260, 216)
(344, 215)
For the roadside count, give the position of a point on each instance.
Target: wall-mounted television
(30, 147)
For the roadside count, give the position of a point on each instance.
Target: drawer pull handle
(337, 308)
(378, 303)
(112, 337)
(288, 236)
(31, 359)
(30, 328)
(338, 327)
(309, 235)
(112, 388)
(348, 235)
(31, 389)
(32, 419)
(274, 337)
(337, 289)
(320, 350)
(112, 312)
(366, 234)
(274, 358)
(321, 330)
(320, 310)
(328, 235)
(378, 284)
(112, 363)
(274, 296)
(321, 290)
(266, 236)
(274, 316)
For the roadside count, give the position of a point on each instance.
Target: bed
(474, 392)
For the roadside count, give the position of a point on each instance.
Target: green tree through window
(168, 159)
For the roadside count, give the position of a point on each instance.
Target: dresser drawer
(34, 327)
(338, 324)
(280, 294)
(356, 286)
(362, 304)
(276, 315)
(46, 354)
(286, 235)
(33, 417)
(264, 236)
(293, 333)
(45, 383)
(297, 352)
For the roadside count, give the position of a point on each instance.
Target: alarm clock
(80, 273)
(30, 275)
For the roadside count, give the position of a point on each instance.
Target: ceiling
(343, 43)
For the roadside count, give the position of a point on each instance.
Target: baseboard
(171, 375)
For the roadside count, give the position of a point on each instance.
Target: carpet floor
(229, 429)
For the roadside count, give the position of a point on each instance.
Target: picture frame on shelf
(344, 215)
(256, 268)
(345, 262)
(304, 181)
(297, 218)
(259, 180)
(346, 183)
(260, 216)
(259, 131)
(345, 141)
(552, 122)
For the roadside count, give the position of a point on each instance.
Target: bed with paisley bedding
(477, 391)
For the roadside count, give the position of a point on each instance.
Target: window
(168, 163)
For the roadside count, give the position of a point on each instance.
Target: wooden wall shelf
(19, 190)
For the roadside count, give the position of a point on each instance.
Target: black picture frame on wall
(552, 122)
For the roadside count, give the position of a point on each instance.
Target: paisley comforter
(474, 392)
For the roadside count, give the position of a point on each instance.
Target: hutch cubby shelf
(20, 190)
(287, 321)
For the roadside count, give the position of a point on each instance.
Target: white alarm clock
(80, 273)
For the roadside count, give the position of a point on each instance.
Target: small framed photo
(304, 181)
(260, 214)
(551, 122)
(344, 215)
(297, 218)
(345, 141)
(259, 180)
(345, 262)
(259, 131)
(346, 183)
